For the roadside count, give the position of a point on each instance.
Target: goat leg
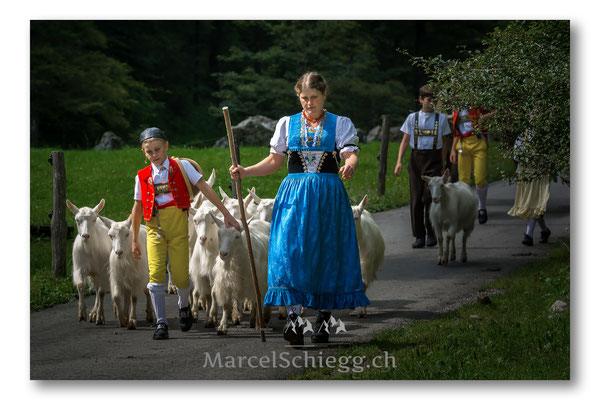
(121, 317)
(222, 329)
(100, 309)
(82, 311)
(453, 249)
(236, 315)
(132, 323)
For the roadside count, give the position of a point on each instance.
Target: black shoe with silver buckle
(293, 332)
(419, 243)
(161, 332)
(482, 216)
(321, 333)
(185, 319)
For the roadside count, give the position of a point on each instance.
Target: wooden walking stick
(238, 186)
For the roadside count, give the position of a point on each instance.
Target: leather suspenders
(426, 132)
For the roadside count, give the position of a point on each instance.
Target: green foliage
(523, 73)
(77, 91)
(260, 80)
(514, 337)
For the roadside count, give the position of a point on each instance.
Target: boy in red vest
(162, 199)
(472, 146)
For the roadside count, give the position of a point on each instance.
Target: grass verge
(516, 336)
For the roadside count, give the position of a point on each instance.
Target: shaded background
(89, 77)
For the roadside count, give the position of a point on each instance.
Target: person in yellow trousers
(471, 144)
(161, 198)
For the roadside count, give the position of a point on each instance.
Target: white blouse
(346, 137)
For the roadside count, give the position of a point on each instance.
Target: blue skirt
(313, 252)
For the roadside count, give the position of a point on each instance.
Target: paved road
(410, 286)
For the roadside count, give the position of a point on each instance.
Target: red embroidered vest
(176, 186)
(474, 113)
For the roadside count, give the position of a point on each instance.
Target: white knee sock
(482, 196)
(183, 296)
(530, 227)
(157, 294)
(296, 308)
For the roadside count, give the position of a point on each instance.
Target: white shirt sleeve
(445, 125)
(137, 191)
(346, 137)
(193, 175)
(278, 142)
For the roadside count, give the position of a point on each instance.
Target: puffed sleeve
(346, 137)
(137, 191)
(278, 142)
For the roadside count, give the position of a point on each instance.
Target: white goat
(371, 246)
(264, 208)
(232, 272)
(206, 251)
(453, 209)
(128, 276)
(91, 250)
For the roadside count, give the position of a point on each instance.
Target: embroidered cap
(152, 133)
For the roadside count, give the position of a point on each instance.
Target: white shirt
(159, 176)
(426, 121)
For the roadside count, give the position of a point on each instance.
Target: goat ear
(247, 202)
(446, 175)
(223, 194)
(129, 222)
(72, 207)
(107, 222)
(257, 199)
(192, 211)
(425, 178)
(363, 203)
(211, 178)
(99, 207)
(197, 201)
(217, 220)
(249, 219)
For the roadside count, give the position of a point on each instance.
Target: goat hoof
(221, 332)
(463, 259)
(209, 324)
(362, 315)
(100, 320)
(149, 320)
(132, 325)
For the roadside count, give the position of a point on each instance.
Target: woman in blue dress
(313, 252)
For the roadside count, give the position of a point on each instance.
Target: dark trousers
(422, 162)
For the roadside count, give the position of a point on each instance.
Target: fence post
(383, 153)
(58, 226)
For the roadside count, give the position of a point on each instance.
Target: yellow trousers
(172, 238)
(473, 157)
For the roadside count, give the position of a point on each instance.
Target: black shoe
(293, 332)
(527, 240)
(544, 235)
(185, 319)
(419, 243)
(482, 216)
(321, 333)
(161, 332)
(431, 240)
